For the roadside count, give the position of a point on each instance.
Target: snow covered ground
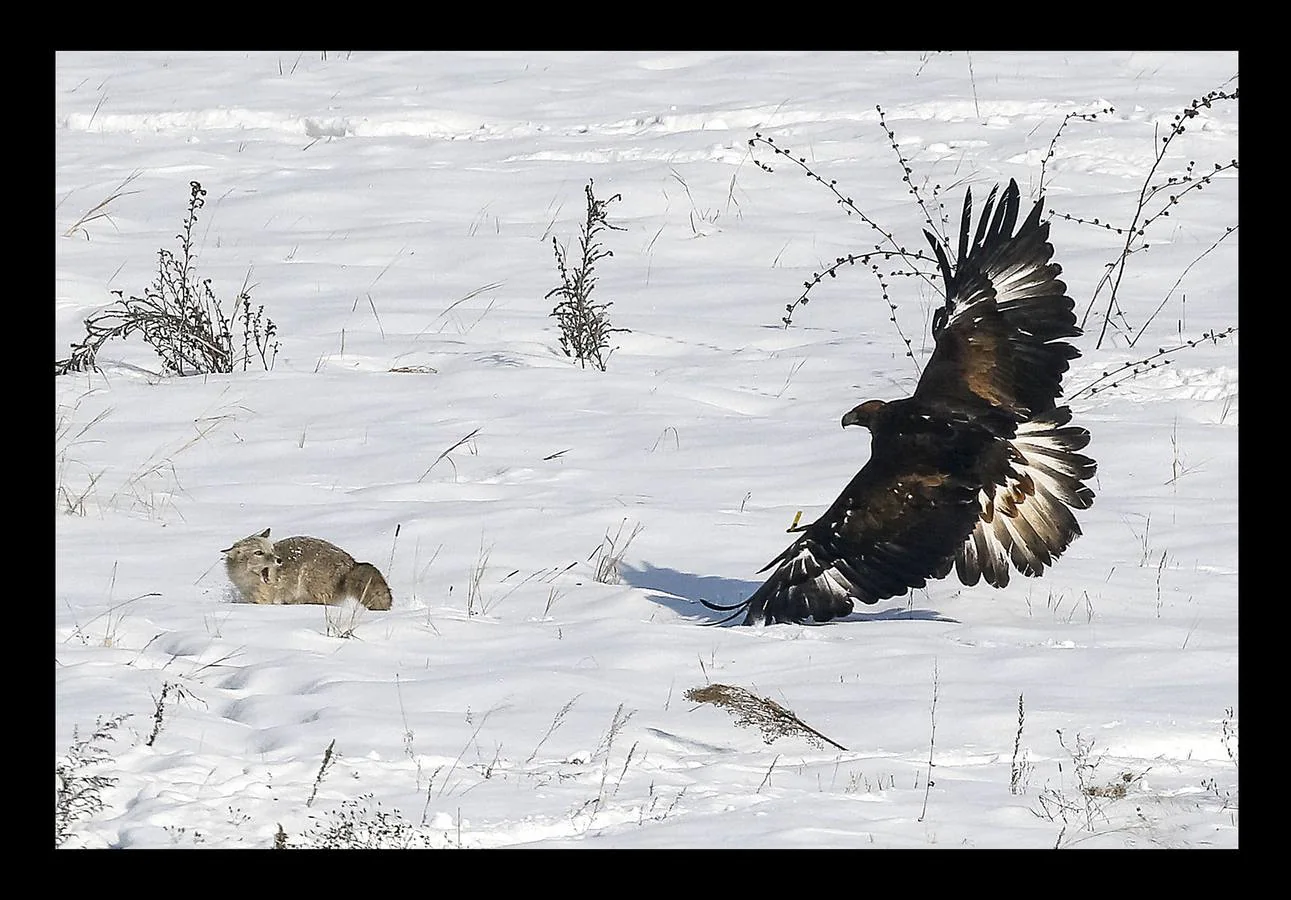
(394, 214)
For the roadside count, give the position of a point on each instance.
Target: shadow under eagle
(979, 469)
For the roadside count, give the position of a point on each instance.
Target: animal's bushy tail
(366, 584)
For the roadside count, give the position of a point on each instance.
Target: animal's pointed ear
(264, 533)
(227, 549)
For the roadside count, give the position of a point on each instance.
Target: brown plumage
(978, 470)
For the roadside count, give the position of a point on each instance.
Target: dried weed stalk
(772, 719)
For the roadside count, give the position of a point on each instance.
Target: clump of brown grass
(769, 717)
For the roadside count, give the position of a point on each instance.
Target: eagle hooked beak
(863, 414)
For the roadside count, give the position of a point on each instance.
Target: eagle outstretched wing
(978, 470)
(1000, 350)
(998, 335)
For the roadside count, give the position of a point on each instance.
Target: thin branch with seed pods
(880, 252)
(1141, 220)
(1126, 371)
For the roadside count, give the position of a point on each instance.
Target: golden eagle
(979, 469)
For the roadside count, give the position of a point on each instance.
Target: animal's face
(254, 553)
(863, 414)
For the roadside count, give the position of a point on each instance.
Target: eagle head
(864, 414)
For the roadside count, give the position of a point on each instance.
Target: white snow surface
(396, 211)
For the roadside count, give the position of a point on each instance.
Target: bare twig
(932, 742)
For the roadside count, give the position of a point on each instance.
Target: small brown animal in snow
(302, 570)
